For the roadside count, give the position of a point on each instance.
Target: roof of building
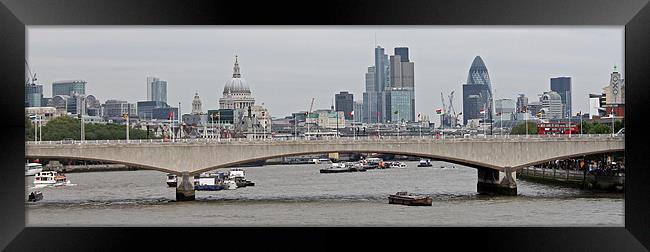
(237, 84)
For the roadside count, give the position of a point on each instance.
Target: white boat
(32, 168)
(236, 173)
(50, 178)
(230, 184)
(171, 180)
(337, 165)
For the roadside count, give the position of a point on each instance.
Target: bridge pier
(493, 182)
(185, 187)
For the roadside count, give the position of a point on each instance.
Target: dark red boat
(409, 199)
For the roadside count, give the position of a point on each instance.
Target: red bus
(557, 128)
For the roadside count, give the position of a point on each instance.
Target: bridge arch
(142, 166)
(519, 167)
(464, 162)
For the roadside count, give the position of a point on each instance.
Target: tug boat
(404, 198)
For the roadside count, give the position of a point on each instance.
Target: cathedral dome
(236, 85)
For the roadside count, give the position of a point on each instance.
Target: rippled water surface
(298, 195)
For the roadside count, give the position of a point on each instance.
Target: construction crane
(311, 106)
(29, 75)
(452, 112)
(444, 110)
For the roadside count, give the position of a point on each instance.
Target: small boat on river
(404, 198)
(208, 183)
(425, 163)
(50, 178)
(171, 180)
(35, 196)
(32, 168)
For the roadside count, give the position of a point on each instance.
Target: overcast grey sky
(286, 66)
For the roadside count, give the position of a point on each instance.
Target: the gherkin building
(477, 92)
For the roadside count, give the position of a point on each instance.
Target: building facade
(236, 93)
(552, 107)
(402, 81)
(145, 109)
(479, 88)
(562, 86)
(115, 109)
(505, 109)
(401, 101)
(196, 105)
(358, 112)
(344, 101)
(156, 89)
(33, 95)
(327, 119)
(69, 87)
(522, 103)
(595, 106)
(371, 98)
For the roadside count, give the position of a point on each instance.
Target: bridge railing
(358, 139)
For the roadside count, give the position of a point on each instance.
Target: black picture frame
(15, 15)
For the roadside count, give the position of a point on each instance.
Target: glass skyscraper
(345, 102)
(33, 95)
(403, 52)
(402, 104)
(384, 77)
(478, 87)
(562, 85)
(156, 89)
(69, 88)
(370, 98)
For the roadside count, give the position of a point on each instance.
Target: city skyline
(286, 59)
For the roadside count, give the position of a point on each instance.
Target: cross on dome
(236, 73)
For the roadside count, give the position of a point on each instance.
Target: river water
(298, 195)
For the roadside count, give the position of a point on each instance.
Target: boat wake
(49, 186)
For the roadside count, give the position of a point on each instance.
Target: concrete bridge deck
(496, 157)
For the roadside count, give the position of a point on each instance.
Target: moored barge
(409, 199)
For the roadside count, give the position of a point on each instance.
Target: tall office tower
(380, 69)
(358, 111)
(382, 81)
(33, 95)
(562, 85)
(400, 101)
(479, 88)
(69, 87)
(370, 98)
(403, 52)
(345, 102)
(522, 103)
(156, 89)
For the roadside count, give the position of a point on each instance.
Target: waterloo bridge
(497, 158)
